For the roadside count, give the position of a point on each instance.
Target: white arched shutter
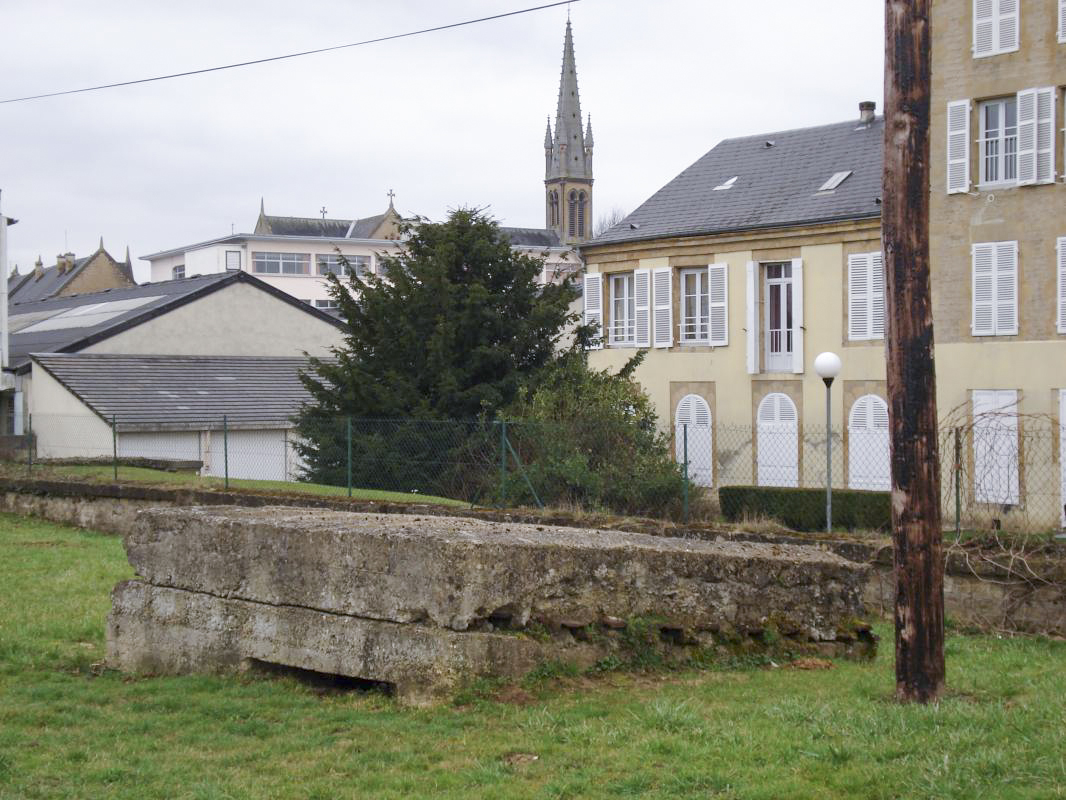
(692, 435)
(777, 442)
(718, 304)
(869, 465)
(751, 317)
(797, 315)
(662, 287)
(959, 146)
(593, 301)
(642, 307)
(1061, 259)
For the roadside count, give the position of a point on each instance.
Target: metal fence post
(225, 450)
(349, 456)
(958, 481)
(29, 441)
(114, 445)
(503, 459)
(684, 484)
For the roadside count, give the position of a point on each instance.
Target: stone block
(460, 574)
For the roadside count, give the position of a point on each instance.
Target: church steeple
(568, 158)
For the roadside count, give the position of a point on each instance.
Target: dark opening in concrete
(319, 682)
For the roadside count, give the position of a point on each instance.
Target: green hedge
(804, 509)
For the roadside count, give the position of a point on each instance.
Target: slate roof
(306, 226)
(364, 228)
(29, 287)
(532, 237)
(35, 327)
(183, 392)
(776, 186)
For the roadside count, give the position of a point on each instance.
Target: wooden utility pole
(919, 557)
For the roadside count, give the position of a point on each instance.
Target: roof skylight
(837, 179)
(727, 184)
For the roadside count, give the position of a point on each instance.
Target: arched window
(553, 208)
(571, 213)
(581, 214)
(692, 435)
(868, 460)
(777, 441)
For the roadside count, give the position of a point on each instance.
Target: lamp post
(827, 365)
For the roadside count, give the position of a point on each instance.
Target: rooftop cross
(322, 211)
(391, 194)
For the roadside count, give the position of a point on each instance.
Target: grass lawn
(68, 732)
(191, 480)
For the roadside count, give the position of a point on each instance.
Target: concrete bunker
(427, 603)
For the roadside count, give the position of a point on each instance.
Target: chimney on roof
(38, 269)
(866, 112)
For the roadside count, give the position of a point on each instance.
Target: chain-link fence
(997, 474)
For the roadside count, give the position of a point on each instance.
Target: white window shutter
(1045, 135)
(1027, 137)
(995, 446)
(594, 308)
(1061, 259)
(859, 296)
(984, 28)
(1007, 26)
(718, 304)
(1062, 21)
(662, 289)
(797, 315)
(877, 296)
(751, 318)
(958, 146)
(642, 307)
(1006, 288)
(984, 277)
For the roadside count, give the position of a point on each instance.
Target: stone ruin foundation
(426, 603)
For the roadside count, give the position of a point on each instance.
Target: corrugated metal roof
(182, 392)
(778, 176)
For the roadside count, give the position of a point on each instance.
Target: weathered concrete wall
(456, 573)
(981, 597)
(425, 602)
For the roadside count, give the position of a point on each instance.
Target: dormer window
(836, 179)
(726, 184)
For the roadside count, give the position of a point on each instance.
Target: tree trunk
(909, 352)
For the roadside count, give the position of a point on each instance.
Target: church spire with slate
(568, 158)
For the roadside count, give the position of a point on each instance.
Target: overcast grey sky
(445, 119)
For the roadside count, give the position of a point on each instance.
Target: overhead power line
(288, 55)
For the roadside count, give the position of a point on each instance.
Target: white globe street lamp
(827, 365)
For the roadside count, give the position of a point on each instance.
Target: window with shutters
(995, 446)
(866, 296)
(999, 141)
(582, 201)
(779, 333)
(692, 439)
(995, 289)
(995, 27)
(571, 214)
(622, 328)
(695, 311)
(777, 441)
(869, 465)
(1062, 21)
